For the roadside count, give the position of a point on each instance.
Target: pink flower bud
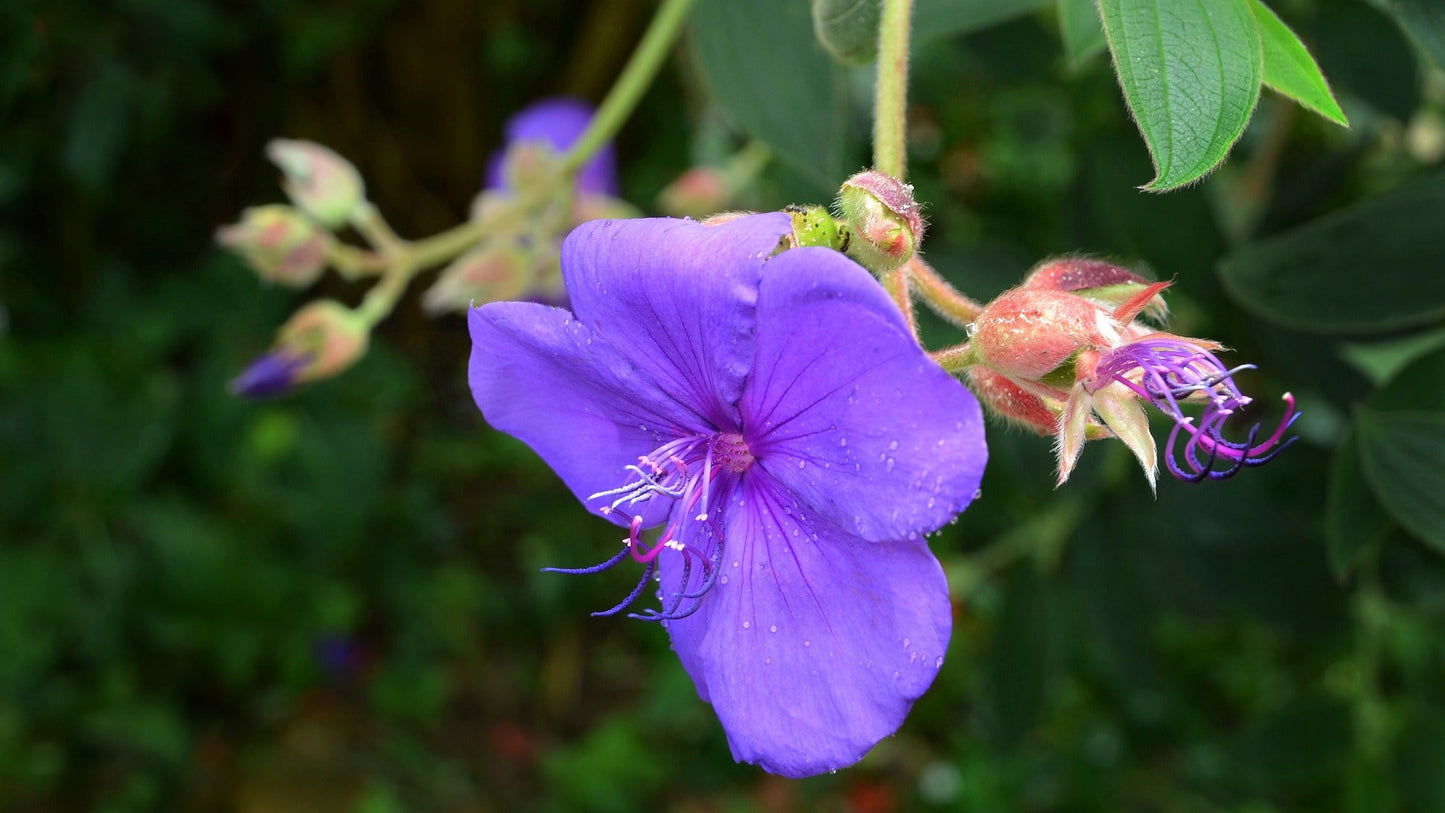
(1026, 333)
(279, 243)
(698, 192)
(882, 218)
(318, 180)
(318, 341)
(486, 274)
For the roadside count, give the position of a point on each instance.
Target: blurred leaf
(1420, 387)
(1354, 520)
(1423, 21)
(1402, 453)
(1021, 660)
(848, 29)
(1380, 361)
(1190, 71)
(1081, 30)
(801, 113)
(1420, 760)
(1296, 744)
(1289, 68)
(1366, 56)
(946, 18)
(1372, 268)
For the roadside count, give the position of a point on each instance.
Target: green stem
(409, 258)
(890, 100)
(896, 283)
(631, 84)
(955, 359)
(941, 297)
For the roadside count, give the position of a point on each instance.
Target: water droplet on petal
(747, 625)
(938, 664)
(892, 445)
(773, 628)
(722, 579)
(807, 643)
(767, 660)
(802, 463)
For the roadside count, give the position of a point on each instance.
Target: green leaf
(1423, 21)
(1370, 269)
(776, 82)
(1289, 68)
(1354, 519)
(1419, 387)
(1190, 71)
(936, 19)
(1081, 30)
(1402, 455)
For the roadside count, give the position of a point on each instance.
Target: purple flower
(272, 374)
(558, 123)
(772, 413)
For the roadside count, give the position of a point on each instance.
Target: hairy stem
(890, 100)
(941, 297)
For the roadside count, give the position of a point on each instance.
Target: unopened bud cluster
(1065, 355)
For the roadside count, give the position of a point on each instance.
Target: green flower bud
(318, 180)
(882, 220)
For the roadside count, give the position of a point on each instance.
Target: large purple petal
(558, 122)
(540, 375)
(679, 297)
(813, 643)
(847, 411)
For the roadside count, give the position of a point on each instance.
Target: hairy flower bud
(318, 180)
(489, 273)
(1064, 350)
(318, 341)
(279, 243)
(882, 219)
(698, 192)
(814, 226)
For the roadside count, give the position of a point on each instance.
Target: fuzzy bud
(489, 273)
(318, 341)
(279, 243)
(698, 192)
(815, 226)
(318, 180)
(882, 219)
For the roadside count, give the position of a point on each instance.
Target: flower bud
(318, 180)
(1026, 334)
(531, 165)
(1103, 283)
(882, 219)
(814, 226)
(488, 273)
(848, 29)
(319, 341)
(279, 243)
(698, 192)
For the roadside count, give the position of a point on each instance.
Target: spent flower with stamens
(1064, 355)
(772, 414)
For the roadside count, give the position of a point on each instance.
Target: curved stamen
(633, 596)
(588, 571)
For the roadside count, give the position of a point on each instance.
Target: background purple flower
(558, 122)
(776, 417)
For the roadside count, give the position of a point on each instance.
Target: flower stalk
(890, 101)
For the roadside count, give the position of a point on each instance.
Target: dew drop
(977, 493)
(897, 675)
(722, 580)
(892, 445)
(888, 464)
(767, 660)
(735, 564)
(842, 441)
(747, 625)
(802, 463)
(906, 642)
(807, 643)
(938, 664)
(773, 628)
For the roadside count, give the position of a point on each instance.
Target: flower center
(682, 470)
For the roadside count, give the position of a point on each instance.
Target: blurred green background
(331, 601)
